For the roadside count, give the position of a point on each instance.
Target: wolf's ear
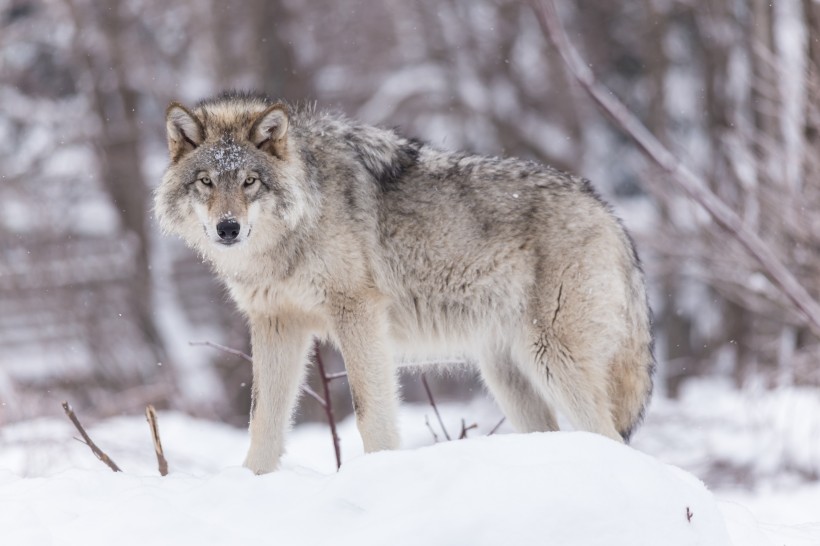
(185, 131)
(269, 130)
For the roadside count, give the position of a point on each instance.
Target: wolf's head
(233, 172)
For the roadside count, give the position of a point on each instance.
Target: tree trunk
(120, 161)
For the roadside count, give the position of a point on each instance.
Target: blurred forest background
(98, 307)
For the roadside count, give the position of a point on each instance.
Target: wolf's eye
(204, 180)
(250, 181)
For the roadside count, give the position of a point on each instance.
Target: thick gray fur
(395, 250)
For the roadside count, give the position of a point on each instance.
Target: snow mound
(553, 488)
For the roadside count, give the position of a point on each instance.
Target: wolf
(324, 227)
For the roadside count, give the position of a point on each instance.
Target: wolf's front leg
(280, 350)
(361, 328)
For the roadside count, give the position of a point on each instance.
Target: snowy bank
(555, 488)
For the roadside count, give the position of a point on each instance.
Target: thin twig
(315, 395)
(691, 184)
(496, 427)
(328, 406)
(430, 428)
(153, 425)
(100, 454)
(465, 429)
(236, 352)
(435, 408)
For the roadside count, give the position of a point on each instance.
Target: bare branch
(691, 184)
(435, 408)
(235, 352)
(315, 395)
(430, 428)
(496, 427)
(328, 406)
(87, 440)
(151, 416)
(465, 429)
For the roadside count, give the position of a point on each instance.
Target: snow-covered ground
(567, 488)
(559, 488)
(729, 437)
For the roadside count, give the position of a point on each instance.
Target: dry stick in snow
(100, 454)
(331, 420)
(430, 428)
(151, 416)
(691, 184)
(435, 408)
(465, 429)
(496, 427)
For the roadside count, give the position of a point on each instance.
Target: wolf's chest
(267, 296)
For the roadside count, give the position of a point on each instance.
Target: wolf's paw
(261, 464)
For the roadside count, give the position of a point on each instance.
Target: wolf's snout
(228, 230)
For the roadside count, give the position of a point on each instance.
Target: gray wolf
(323, 227)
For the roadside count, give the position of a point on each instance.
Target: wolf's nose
(228, 230)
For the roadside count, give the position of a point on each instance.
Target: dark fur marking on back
(386, 171)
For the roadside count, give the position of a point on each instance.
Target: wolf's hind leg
(371, 373)
(521, 403)
(575, 381)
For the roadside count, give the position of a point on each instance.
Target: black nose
(228, 230)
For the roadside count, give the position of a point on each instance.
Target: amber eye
(250, 181)
(204, 180)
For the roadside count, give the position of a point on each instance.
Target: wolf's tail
(633, 367)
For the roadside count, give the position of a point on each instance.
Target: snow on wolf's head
(233, 173)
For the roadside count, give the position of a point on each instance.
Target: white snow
(772, 435)
(563, 488)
